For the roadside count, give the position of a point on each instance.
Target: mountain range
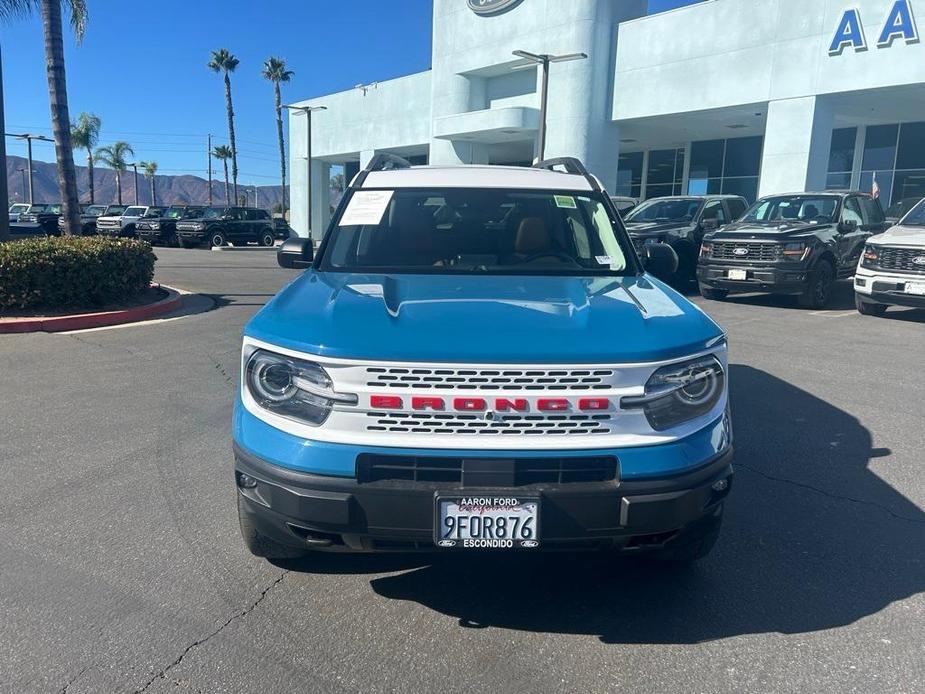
(170, 189)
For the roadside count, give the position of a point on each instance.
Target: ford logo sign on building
(492, 7)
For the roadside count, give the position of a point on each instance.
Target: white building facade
(750, 97)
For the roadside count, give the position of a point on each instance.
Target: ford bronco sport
(476, 358)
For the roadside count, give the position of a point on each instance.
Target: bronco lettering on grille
(394, 402)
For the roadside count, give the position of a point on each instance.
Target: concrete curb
(231, 249)
(82, 321)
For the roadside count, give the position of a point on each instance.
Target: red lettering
(385, 402)
(517, 404)
(552, 404)
(422, 403)
(469, 404)
(593, 404)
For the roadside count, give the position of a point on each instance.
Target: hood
(483, 319)
(751, 230)
(654, 228)
(901, 236)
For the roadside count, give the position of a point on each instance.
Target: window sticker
(366, 207)
(566, 202)
(604, 259)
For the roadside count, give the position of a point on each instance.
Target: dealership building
(751, 97)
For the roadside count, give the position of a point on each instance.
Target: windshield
(134, 212)
(154, 212)
(916, 216)
(665, 210)
(467, 230)
(19, 208)
(95, 210)
(784, 209)
(213, 212)
(115, 209)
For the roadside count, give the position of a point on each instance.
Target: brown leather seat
(532, 237)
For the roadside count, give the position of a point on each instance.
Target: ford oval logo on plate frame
(487, 8)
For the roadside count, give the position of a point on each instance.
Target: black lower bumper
(322, 512)
(893, 294)
(775, 280)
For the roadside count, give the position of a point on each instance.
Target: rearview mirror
(660, 260)
(296, 253)
(846, 226)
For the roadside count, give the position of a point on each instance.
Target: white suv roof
(510, 177)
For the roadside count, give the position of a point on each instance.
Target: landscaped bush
(78, 271)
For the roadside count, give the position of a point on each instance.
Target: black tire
(259, 544)
(713, 293)
(692, 547)
(819, 290)
(266, 239)
(868, 308)
(173, 241)
(217, 238)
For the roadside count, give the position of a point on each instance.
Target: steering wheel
(550, 254)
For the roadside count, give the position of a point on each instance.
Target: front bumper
(189, 235)
(776, 279)
(888, 287)
(633, 512)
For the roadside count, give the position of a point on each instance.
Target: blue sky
(147, 78)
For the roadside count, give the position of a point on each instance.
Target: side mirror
(708, 225)
(846, 226)
(660, 260)
(296, 253)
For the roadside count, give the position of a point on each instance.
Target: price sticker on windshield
(566, 202)
(366, 207)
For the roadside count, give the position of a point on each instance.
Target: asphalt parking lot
(122, 569)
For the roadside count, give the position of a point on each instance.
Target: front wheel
(267, 239)
(217, 239)
(713, 293)
(868, 308)
(819, 290)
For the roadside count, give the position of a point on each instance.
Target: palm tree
(113, 156)
(85, 134)
(223, 154)
(224, 61)
(274, 69)
(150, 169)
(57, 89)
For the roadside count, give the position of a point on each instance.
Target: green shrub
(65, 271)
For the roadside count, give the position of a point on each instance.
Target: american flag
(875, 187)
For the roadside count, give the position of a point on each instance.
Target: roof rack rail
(572, 165)
(383, 161)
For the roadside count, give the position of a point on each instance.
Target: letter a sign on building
(899, 24)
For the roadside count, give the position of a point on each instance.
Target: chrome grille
(488, 379)
(726, 250)
(901, 259)
(477, 424)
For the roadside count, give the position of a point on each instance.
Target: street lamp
(22, 172)
(28, 137)
(135, 172)
(307, 110)
(543, 60)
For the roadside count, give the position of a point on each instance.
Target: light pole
(210, 168)
(307, 110)
(543, 60)
(28, 137)
(135, 172)
(22, 172)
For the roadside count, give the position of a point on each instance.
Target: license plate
(487, 522)
(738, 274)
(917, 288)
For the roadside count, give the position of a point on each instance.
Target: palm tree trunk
(119, 186)
(60, 118)
(227, 193)
(234, 148)
(153, 192)
(282, 144)
(90, 173)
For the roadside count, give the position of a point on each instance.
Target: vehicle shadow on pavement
(813, 540)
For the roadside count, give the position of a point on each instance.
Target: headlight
(293, 388)
(706, 249)
(796, 250)
(871, 257)
(678, 393)
(154, 225)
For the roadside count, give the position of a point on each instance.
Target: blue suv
(476, 358)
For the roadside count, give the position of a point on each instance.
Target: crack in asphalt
(198, 642)
(837, 497)
(221, 369)
(90, 343)
(73, 679)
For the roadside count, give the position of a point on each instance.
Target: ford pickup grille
(902, 259)
(732, 250)
(493, 425)
(489, 379)
(480, 472)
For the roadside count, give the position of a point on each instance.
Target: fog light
(859, 282)
(246, 481)
(720, 485)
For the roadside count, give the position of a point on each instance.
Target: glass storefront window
(838, 181)
(884, 182)
(841, 154)
(743, 157)
(880, 148)
(665, 172)
(629, 175)
(908, 185)
(746, 186)
(707, 159)
(726, 166)
(911, 154)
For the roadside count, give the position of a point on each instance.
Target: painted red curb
(100, 319)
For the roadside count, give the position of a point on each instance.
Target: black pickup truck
(798, 243)
(41, 219)
(162, 228)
